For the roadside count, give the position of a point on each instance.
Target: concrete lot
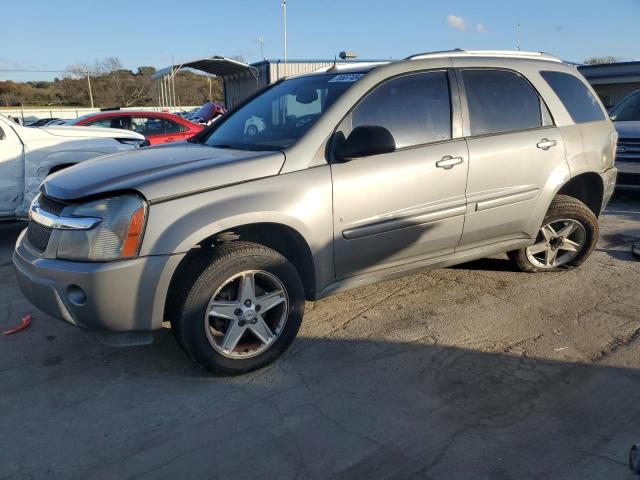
(469, 372)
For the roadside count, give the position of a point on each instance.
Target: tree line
(111, 86)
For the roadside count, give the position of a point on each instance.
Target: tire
(213, 284)
(563, 213)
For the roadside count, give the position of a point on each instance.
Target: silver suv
(359, 174)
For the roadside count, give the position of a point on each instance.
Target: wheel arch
(282, 238)
(586, 187)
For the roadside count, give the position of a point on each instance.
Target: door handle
(447, 162)
(546, 144)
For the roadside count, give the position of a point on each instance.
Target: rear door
(514, 149)
(408, 205)
(157, 129)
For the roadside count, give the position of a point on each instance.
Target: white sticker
(347, 77)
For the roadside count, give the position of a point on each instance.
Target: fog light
(76, 295)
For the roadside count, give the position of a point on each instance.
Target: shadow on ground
(348, 408)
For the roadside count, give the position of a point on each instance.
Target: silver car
(360, 174)
(626, 118)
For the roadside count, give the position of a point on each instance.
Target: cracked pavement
(475, 371)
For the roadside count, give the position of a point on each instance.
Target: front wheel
(568, 235)
(242, 306)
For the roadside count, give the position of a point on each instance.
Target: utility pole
(284, 11)
(261, 41)
(89, 83)
(518, 38)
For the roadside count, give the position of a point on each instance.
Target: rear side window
(415, 108)
(500, 101)
(581, 104)
(111, 122)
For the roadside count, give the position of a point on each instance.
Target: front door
(514, 150)
(11, 170)
(407, 205)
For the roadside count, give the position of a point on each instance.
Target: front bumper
(609, 178)
(127, 295)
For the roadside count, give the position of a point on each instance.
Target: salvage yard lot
(476, 371)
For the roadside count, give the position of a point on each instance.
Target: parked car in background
(626, 118)
(207, 114)
(157, 127)
(28, 155)
(42, 122)
(360, 174)
(59, 121)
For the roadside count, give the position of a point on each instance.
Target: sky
(51, 35)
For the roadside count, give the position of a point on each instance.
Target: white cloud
(456, 22)
(480, 28)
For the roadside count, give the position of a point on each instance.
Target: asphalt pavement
(472, 372)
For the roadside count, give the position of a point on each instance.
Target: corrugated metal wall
(240, 86)
(279, 69)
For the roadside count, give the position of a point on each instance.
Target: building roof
(215, 65)
(610, 69)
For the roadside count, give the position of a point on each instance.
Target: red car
(157, 127)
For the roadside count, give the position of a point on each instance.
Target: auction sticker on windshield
(347, 77)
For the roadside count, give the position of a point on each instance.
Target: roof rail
(485, 53)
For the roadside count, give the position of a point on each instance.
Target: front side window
(282, 114)
(582, 105)
(500, 101)
(415, 109)
(628, 110)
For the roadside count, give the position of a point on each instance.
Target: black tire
(204, 274)
(564, 207)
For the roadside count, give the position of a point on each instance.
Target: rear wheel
(568, 235)
(241, 308)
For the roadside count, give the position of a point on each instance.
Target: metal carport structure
(228, 69)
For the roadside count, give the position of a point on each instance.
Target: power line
(34, 71)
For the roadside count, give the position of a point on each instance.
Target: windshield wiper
(221, 145)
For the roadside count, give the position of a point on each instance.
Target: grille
(628, 179)
(38, 236)
(51, 205)
(628, 150)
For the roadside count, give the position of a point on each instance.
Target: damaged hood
(90, 132)
(163, 172)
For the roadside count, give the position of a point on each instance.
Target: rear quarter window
(581, 104)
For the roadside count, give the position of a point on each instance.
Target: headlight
(135, 142)
(118, 235)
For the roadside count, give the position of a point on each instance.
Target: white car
(28, 155)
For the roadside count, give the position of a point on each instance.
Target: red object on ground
(26, 321)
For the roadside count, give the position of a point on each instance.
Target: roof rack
(458, 52)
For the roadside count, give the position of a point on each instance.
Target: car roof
(128, 113)
(482, 55)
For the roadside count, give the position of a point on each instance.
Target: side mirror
(367, 140)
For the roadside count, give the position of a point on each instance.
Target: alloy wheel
(558, 242)
(246, 314)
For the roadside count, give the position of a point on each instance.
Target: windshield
(282, 114)
(628, 110)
